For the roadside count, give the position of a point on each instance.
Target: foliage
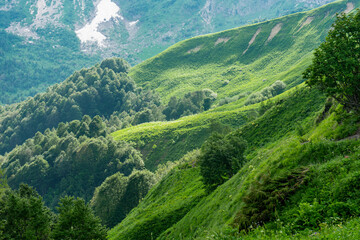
(94, 91)
(51, 51)
(166, 203)
(221, 158)
(118, 194)
(77, 221)
(335, 68)
(72, 159)
(202, 62)
(275, 89)
(266, 195)
(190, 103)
(118, 65)
(23, 215)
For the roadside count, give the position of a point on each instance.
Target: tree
(221, 157)
(77, 221)
(24, 216)
(335, 68)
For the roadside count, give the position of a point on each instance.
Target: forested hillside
(103, 90)
(241, 134)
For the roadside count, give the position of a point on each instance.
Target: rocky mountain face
(38, 35)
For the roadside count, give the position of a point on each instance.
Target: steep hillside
(42, 41)
(300, 172)
(160, 142)
(219, 62)
(241, 60)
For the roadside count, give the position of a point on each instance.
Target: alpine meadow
(250, 132)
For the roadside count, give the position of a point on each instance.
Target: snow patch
(349, 7)
(222, 40)
(306, 22)
(252, 40)
(274, 32)
(105, 10)
(194, 50)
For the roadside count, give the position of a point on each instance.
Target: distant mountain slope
(241, 60)
(42, 41)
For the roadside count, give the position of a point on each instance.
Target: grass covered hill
(241, 60)
(219, 62)
(301, 172)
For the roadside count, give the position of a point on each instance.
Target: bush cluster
(275, 89)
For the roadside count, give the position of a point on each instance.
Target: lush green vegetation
(339, 77)
(103, 90)
(269, 164)
(285, 180)
(167, 202)
(219, 61)
(72, 159)
(47, 49)
(24, 216)
(191, 103)
(221, 158)
(118, 194)
(29, 67)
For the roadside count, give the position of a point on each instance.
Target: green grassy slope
(158, 210)
(160, 142)
(217, 61)
(174, 72)
(286, 138)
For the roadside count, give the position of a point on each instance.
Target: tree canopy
(335, 68)
(221, 157)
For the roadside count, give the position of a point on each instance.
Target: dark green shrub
(221, 157)
(266, 195)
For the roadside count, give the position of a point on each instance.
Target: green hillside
(229, 65)
(224, 69)
(291, 142)
(39, 45)
(301, 175)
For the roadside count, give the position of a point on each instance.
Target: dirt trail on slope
(274, 32)
(306, 22)
(222, 40)
(252, 40)
(194, 50)
(349, 7)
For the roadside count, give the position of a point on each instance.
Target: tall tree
(335, 68)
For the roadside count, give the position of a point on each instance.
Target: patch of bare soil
(349, 7)
(194, 50)
(252, 40)
(222, 40)
(274, 32)
(306, 22)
